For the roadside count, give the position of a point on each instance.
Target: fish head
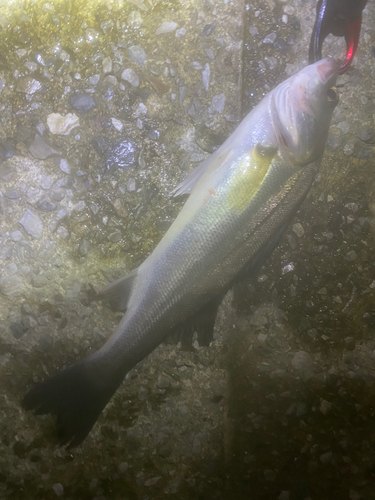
(302, 108)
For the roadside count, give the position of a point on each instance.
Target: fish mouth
(327, 69)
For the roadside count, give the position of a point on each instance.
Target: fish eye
(332, 95)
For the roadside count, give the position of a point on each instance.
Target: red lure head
(352, 40)
(341, 18)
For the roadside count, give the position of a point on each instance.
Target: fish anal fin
(202, 323)
(253, 266)
(118, 292)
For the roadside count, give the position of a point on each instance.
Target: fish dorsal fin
(118, 292)
(202, 323)
(206, 168)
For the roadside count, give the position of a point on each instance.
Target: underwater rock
(366, 134)
(166, 27)
(7, 149)
(107, 65)
(137, 55)
(62, 232)
(46, 183)
(121, 155)
(100, 144)
(180, 33)
(64, 166)
(94, 79)
(12, 194)
(58, 489)
(62, 125)
(135, 19)
(208, 29)
(82, 103)
(280, 44)
(28, 85)
(17, 329)
(11, 285)
(32, 224)
(298, 229)
(46, 206)
(130, 76)
(16, 236)
(119, 206)
(302, 361)
(206, 76)
(78, 207)
(115, 236)
(139, 4)
(270, 38)
(117, 124)
(217, 104)
(130, 185)
(41, 150)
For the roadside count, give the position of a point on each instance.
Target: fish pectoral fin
(202, 323)
(207, 167)
(118, 292)
(185, 187)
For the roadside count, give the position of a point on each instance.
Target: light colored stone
(130, 76)
(137, 55)
(11, 286)
(117, 124)
(64, 166)
(166, 27)
(107, 65)
(62, 125)
(206, 76)
(302, 361)
(298, 229)
(32, 224)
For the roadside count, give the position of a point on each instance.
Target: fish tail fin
(75, 396)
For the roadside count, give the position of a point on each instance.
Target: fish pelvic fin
(76, 396)
(118, 292)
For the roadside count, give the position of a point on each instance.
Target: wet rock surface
(281, 404)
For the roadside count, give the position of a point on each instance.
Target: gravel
(217, 104)
(82, 103)
(137, 55)
(41, 150)
(28, 85)
(130, 76)
(32, 224)
(290, 375)
(62, 125)
(166, 27)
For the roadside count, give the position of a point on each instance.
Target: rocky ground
(105, 107)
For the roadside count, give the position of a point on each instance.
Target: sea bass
(241, 199)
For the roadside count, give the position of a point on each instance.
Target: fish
(241, 199)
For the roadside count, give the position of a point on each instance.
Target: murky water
(281, 405)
